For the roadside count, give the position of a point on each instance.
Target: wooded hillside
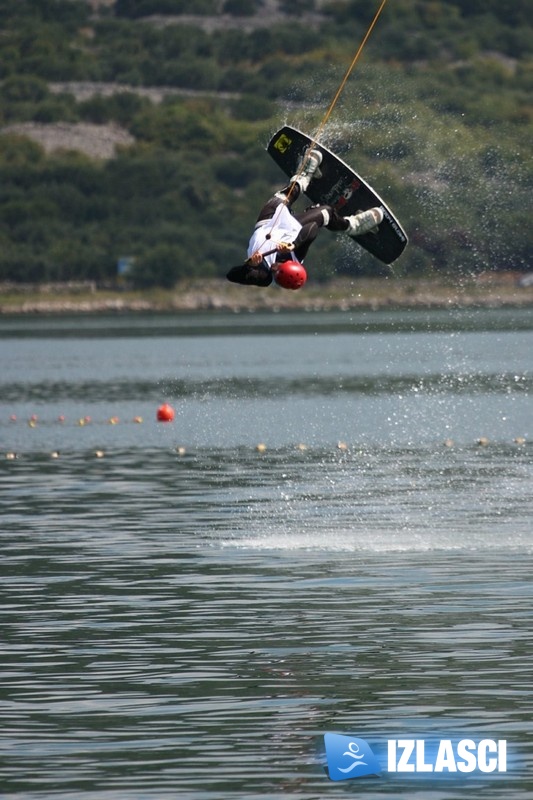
(437, 115)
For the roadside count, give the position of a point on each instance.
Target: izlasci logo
(351, 757)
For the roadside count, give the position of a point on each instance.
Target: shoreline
(493, 291)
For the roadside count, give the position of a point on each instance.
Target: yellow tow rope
(332, 105)
(339, 91)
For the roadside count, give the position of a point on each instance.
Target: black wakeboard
(339, 186)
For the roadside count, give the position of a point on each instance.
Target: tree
(162, 265)
(241, 8)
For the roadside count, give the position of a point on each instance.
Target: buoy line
(165, 413)
(343, 448)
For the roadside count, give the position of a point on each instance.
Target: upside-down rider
(281, 239)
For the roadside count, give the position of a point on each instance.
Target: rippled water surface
(185, 614)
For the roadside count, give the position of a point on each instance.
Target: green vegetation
(437, 116)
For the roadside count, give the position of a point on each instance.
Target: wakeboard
(339, 186)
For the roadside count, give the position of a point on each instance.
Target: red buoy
(165, 413)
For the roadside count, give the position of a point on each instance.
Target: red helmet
(290, 274)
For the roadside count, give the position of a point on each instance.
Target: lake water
(186, 614)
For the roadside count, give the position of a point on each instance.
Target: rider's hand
(255, 259)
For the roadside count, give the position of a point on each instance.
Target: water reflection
(191, 623)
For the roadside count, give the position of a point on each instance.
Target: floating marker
(261, 448)
(165, 413)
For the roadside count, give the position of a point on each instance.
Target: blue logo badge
(349, 757)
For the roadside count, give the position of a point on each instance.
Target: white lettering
(484, 747)
(445, 757)
(391, 755)
(463, 751)
(408, 746)
(465, 756)
(421, 765)
(502, 755)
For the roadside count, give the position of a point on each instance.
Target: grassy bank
(494, 290)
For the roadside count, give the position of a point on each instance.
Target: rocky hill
(136, 129)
